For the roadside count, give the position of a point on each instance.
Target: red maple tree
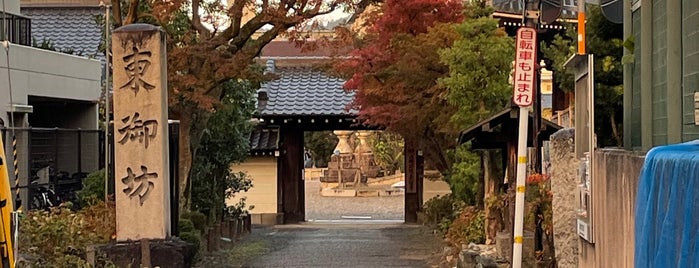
(395, 69)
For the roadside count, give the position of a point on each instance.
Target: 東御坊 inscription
(139, 185)
(135, 128)
(137, 64)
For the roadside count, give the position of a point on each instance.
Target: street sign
(525, 66)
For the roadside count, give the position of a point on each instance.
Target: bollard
(210, 247)
(233, 227)
(145, 253)
(248, 224)
(217, 236)
(225, 230)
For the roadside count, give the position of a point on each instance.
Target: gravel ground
(323, 208)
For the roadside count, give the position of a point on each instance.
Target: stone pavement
(346, 245)
(323, 208)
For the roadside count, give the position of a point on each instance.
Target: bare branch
(236, 12)
(196, 20)
(360, 8)
(245, 32)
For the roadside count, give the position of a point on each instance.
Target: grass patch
(247, 251)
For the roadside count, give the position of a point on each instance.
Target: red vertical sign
(525, 66)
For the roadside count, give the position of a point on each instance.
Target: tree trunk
(185, 161)
(193, 122)
(482, 177)
(492, 216)
(615, 130)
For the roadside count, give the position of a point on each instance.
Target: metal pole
(106, 100)
(521, 180)
(581, 27)
(531, 19)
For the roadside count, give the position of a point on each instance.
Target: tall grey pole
(107, 8)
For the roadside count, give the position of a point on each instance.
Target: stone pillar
(343, 144)
(563, 186)
(141, 133)
(363, 146)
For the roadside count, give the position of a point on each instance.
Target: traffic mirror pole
(525, 93)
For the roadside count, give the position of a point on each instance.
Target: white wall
(11, 6)
(39, 72)
(263, 195)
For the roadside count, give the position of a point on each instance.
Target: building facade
(43, 93)
(660, 84)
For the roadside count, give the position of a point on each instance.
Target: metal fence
(17, 29)
(52, 162)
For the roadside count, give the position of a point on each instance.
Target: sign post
(524, 90)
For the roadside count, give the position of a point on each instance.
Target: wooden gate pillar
(414, 175)
(289, 175)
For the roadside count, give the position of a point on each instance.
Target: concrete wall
(45, 73)
(613, 205)
(12, 6)
(263, 195)
(613, 197)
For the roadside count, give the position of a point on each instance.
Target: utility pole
(107, 26)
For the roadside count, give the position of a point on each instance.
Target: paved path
(324, 208)
(345, 245)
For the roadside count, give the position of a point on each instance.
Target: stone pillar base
(172, 252)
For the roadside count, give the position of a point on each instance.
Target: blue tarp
(667, 208)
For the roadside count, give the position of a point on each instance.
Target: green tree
(224, 141)
(477, 84)
(388, 151)
(464, 179)
(556, 53)
(321, 145)
(605, 41)
(479, 67)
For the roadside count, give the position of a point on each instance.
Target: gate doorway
(353, 176)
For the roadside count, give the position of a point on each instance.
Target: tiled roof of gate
(264, 139)
(67, 27)
(305, 91)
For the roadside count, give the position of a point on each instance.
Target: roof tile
(67, 27)
(306, 91)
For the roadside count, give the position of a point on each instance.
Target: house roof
(303, 91)
(60, 3)
(282, 49)
(515, 7)
(72, 27)
(264, 139)
(505, 116)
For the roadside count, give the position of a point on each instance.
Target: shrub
(197, 218)
(469, 227)
(93, 188)
(186, 225)
(193, 238)
(440, 211)
(58, 237)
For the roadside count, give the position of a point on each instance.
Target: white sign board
(525, 67)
